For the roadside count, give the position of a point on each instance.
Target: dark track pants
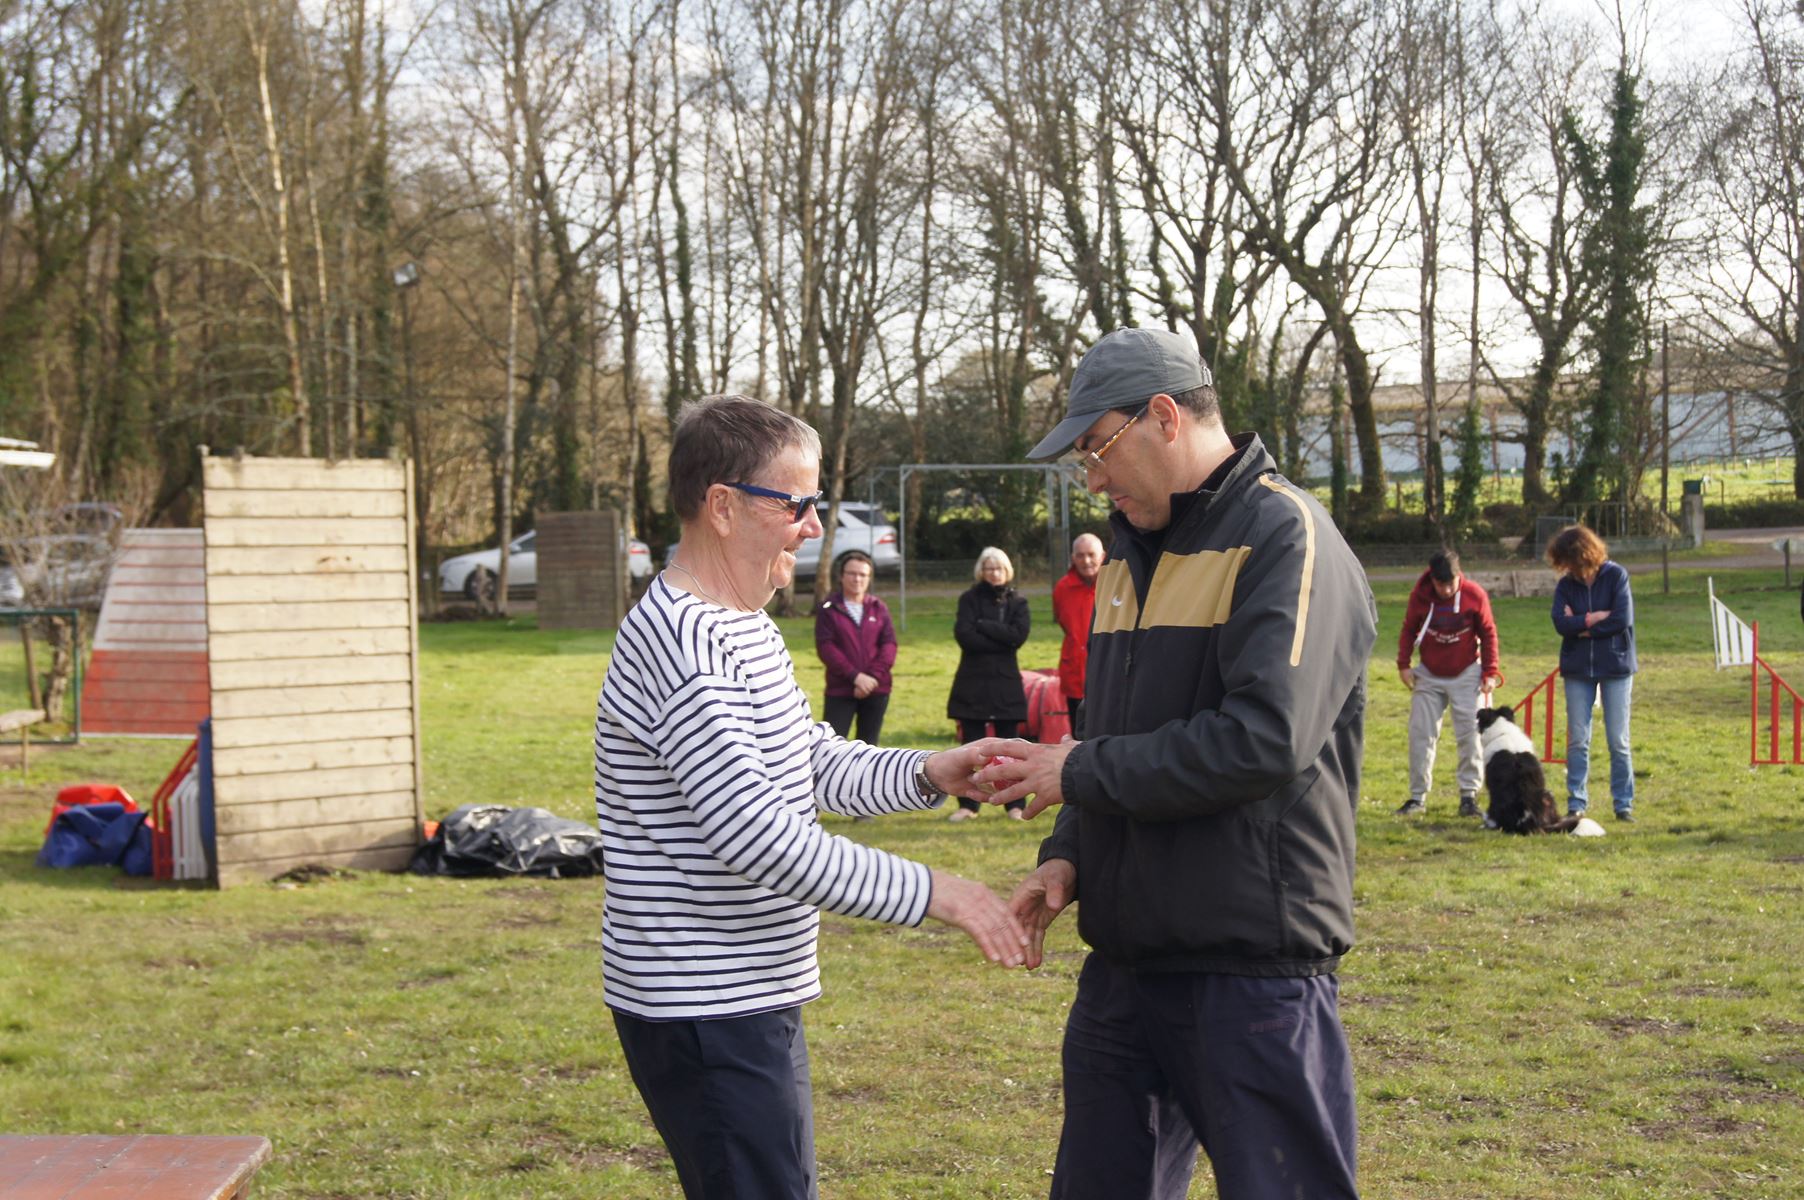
(1255, 1069)
(839, 711)
(731, 1099)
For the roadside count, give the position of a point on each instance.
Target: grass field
(1726, 481)
(1529, 1017)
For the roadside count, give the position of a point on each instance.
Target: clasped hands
(1013, 934)
(1004, 770)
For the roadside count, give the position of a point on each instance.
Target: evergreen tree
(1617, 255)
(1471, 468)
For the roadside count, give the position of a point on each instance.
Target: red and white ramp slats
(149, 671)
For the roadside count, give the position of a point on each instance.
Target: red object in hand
(997, 761)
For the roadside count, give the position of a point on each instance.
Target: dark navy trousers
(1256, 1070)
(731, 1098)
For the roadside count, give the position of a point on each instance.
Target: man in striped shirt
(708, 770)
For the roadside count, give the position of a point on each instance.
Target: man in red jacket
(1449, 621)
(1073, 605)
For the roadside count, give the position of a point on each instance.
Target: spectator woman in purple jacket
(1595, 616)
(857, 642)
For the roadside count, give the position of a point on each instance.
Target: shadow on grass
(19, 868)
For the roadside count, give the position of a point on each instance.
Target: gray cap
(1123, 369)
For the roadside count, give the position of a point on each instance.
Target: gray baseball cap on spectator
(1123, 369)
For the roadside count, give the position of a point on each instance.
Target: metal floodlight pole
(902, 475)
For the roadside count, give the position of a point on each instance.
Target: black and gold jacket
(1209, 811)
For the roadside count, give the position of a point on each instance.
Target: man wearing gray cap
(1207, 818)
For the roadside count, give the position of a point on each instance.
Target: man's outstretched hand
(1026, 769)
(1040, 898)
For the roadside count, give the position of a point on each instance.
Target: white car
(856, 532)
(473, 575)
(61, 570)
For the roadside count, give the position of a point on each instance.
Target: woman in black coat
(992, 624)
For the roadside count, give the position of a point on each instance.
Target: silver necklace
(699, 590)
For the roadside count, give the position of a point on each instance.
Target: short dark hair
(852, 556)
(728, 439)
(1202, 401)
(1444, 566)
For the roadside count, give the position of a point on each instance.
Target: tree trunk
(291, 334)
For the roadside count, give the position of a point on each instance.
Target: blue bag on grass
(98, 835)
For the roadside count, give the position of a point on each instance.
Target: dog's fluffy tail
(1564, 824)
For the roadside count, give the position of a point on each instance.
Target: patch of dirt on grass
(175, 964)
(1623, 1026)
(550, 1144)
(1373, 999)
(1696, 1126)
(935, 932)
(1390, 1049)
(1725, 990)
(427, 980)
(579, 1074)
(1594, 910)
(1736, 1086)
(316, 929)
(530, 919)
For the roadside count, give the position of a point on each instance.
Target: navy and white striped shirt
(708, 768)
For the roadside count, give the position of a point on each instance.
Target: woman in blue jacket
(1595, 615)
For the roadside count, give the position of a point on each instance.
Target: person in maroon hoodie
(857, 642)
(1449, 622)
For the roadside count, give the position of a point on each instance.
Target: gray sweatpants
(1435, 694)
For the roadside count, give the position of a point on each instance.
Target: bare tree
(1204, 278)
(1540, 223)
(1295, 94)
(1480, 50)
(1424, 95)
(1753, 160)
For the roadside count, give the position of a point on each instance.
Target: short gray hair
(993, 553)
(728, 439)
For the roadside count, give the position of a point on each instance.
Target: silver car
(473, 575)
(59, 570)
(857, 531)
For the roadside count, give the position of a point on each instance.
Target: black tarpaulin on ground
(493, 839)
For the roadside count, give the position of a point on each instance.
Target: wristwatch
(925, 787)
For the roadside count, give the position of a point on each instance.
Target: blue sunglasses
(802, 503)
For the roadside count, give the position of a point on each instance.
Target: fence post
(1754, 701)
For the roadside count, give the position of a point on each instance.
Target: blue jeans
(1580, 694)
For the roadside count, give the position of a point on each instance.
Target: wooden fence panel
(314, 664)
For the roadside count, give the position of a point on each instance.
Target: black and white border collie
(1520, 801)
